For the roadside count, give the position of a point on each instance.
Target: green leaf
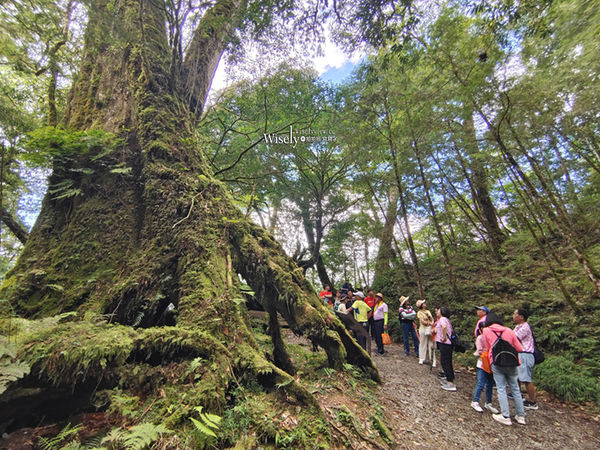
(202, 428)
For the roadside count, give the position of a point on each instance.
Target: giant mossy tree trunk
(164, 232)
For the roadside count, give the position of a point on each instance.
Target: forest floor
(417, 412)
(422, 415)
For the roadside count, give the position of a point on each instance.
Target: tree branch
(210, 39)
(14, 225)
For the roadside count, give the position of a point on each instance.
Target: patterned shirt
(439, 336)
(523, 332)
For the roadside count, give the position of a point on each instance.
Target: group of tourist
(505, 356)
(370, 311)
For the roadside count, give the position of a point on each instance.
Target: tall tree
(134, 223)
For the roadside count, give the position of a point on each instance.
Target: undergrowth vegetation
(567, 333)
(151, 385)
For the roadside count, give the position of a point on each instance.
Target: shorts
(524, 370)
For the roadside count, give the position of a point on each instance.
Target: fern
(66, 435)
(135, 438)
(208, 424)
(10, 368)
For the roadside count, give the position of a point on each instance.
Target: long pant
(426, 348)
(446, 360)
(362, 340)
(372, 327)
(502, 377)
(378, 328)
(408, 330)
(484, 381)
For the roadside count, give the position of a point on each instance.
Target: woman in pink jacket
(503, 375)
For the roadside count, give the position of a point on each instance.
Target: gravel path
(422, 415)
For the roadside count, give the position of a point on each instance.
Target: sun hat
(379, 294)
(403, 300)
(420, 303)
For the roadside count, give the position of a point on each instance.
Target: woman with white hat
(380, 318)
(426, 347)
(407, 320)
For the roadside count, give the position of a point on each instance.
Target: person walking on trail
(380, 319)
(370, 301)
(326, 295)
(443, 332)
(361, 314)
(525, 336)
(485, 380)
(426, 348)
(481, 313)
(496, 336)
(407, 320)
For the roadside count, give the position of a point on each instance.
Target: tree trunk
(479, 180)
(134, 247)
(436, 224)
(385, 254)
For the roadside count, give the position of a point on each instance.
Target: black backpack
(503, 353)
(458, 345)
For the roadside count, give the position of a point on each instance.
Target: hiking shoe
(476, 407)
(520, 420)
(530, 405)
(503, 420)
(449, 387)
(491, 409)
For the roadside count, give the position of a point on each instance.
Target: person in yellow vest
(361, 314)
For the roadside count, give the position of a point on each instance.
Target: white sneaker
(476, 407)
(421, 362)
(449, 387)
(434, 365)
(491, 409)
(520, 420)
(503, 420)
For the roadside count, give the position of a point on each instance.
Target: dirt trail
(422, 415)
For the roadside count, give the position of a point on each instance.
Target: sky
(333, 66)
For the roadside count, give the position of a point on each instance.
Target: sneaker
(509, 395)
(520, 420)
(449, 387)
(441, 375)
(434, 365)
(530, 405)
(421, 362)
(503, 420)
(476, 407)
(491, 409)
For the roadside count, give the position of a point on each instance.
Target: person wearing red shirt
(370, 300)
(326, 295)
